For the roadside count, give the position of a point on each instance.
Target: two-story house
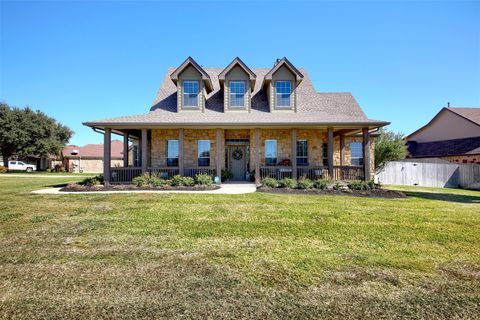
(253, 122)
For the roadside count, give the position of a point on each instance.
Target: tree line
(25, 132)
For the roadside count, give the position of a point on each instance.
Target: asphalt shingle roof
(312, 107)
(472, 114)
(445, 148)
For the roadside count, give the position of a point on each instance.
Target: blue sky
(80, 61)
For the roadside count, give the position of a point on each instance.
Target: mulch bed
(124, 187)
(377, 193)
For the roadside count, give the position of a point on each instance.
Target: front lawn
(237, 256)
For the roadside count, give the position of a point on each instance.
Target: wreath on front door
(237, 154)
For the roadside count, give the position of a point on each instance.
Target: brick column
(330, 152)
(294, 154)
(107, 138)
(125, 149)
(366, 154)
(144, 150)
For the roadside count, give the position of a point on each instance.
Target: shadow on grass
(450, 197)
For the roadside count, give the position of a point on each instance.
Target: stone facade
(315, 137)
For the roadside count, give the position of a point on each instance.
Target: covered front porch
(242, 154)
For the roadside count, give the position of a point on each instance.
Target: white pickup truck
(21, 166)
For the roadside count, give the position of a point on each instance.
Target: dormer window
(283, 93)
(237, 94)
(190, 93)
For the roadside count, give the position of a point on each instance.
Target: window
(172, 153)
(237, 93)
(284, 90)
(356, 153)
(302, 152)
(270, 152)
(325, 154)
(190, 93)
(203, 153)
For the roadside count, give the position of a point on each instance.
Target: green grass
(46, 173)
(237, 256)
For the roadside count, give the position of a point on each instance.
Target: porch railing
(277, 172)
(348, 173)
(124, 174)
(191, 172)
(313, 172)
(164, 172)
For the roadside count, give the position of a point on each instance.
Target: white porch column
(257, 156)
(107, 138)
(181, 157)
(366, 154)
(330, 152)
(125, 149)
(144, 150)
(218, 154)
(294, 154)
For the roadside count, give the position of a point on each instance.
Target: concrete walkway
(226, 188)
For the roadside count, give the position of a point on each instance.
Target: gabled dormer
(193, 84)
(238, 82)
(280, 84)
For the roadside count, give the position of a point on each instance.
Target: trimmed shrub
(182, 181)
(155, 181)
(287, 183)
(143, 180)
(92, 181)
(270, 182)
(304, 183)
(226, 175)
(3, 169)
(203, 179)
(320, 184)
(362, 185)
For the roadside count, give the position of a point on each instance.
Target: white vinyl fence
(425, 174)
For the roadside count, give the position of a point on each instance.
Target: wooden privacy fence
(426, 174)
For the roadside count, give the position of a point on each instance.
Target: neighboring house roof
(184, 65)
(470, 114)
(444, 148)
(93, 150)
(312, 108)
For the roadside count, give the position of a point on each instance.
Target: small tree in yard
(26, 132)
(389, 146)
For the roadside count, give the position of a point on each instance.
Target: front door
(238, 163)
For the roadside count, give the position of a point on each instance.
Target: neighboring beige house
(452, 135)
(253, 122)
(89, 158)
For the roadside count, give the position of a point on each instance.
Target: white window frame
(209, 152)
(356, 147)
(306, 152)
(230, 94)
(276, 152)
(277, 94)
(189, 94)
(168, 151)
